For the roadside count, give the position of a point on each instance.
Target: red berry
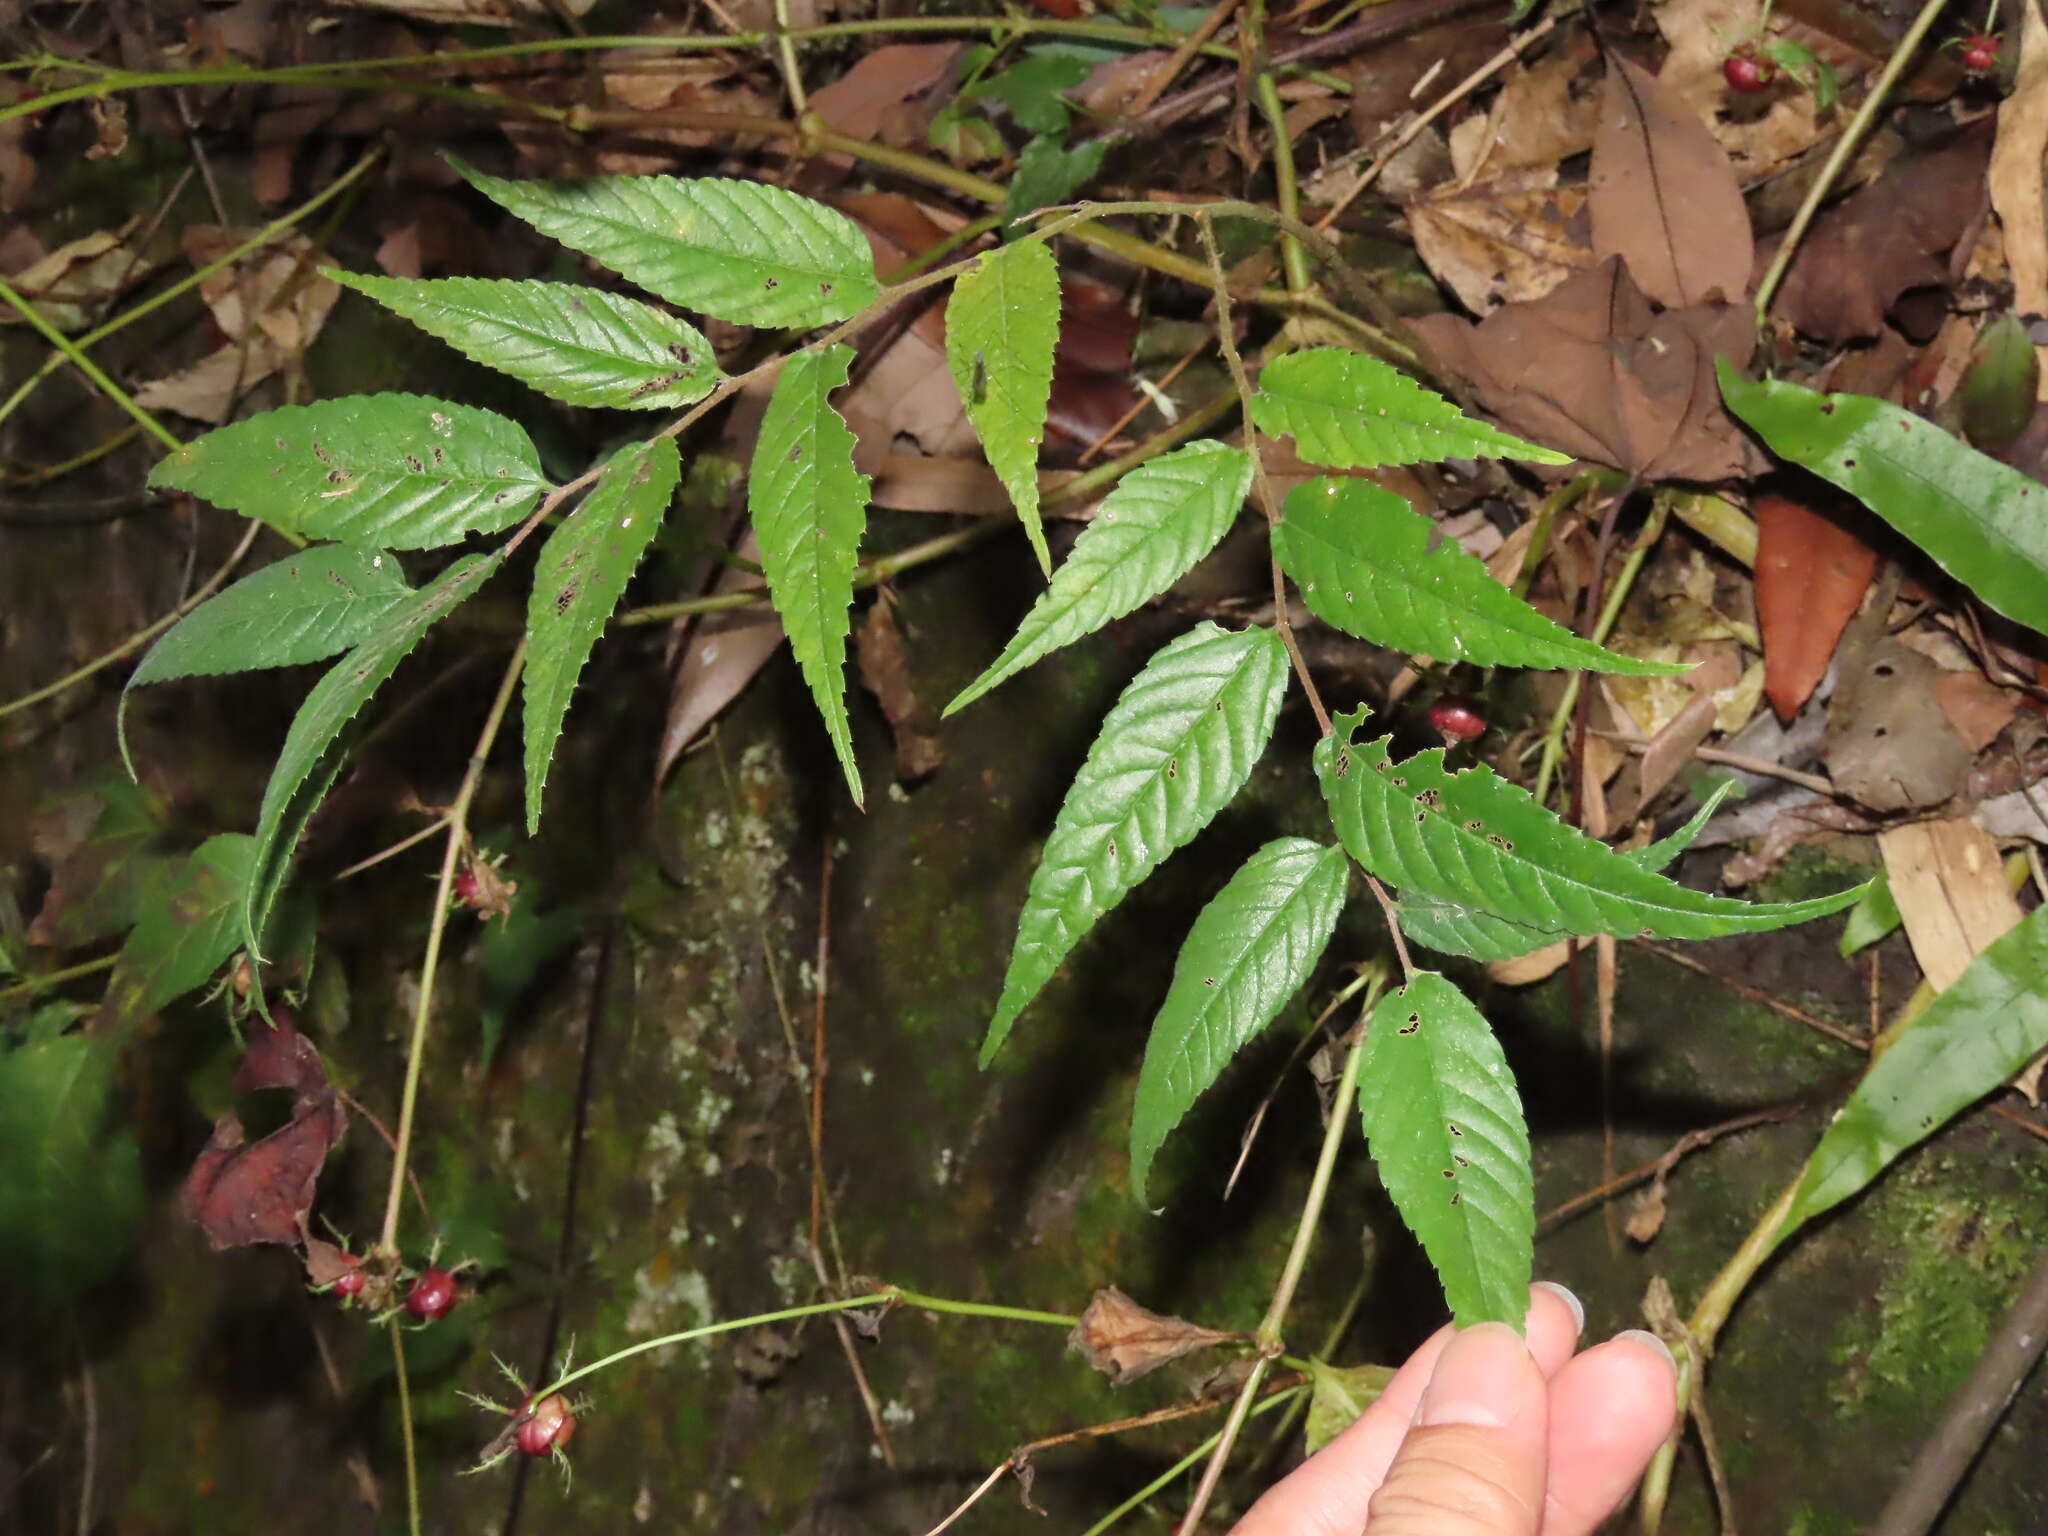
(433, 1295)
(469, 889)
(1457, 718)
(350, 1285)
(548, 1426)
(1745, 71)
(1979, 53)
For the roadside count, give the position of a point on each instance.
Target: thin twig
(1690, 1142)
(1386, 902)
(1177, 61)
(1758, 995)
(1812, 781)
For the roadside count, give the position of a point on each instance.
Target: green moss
(1809, 872)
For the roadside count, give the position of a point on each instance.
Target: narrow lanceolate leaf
(1440, 1111)
(1002, 324)
(1148, 533)
(809, 506)
(308, 763)
(394, 471)
(577, 344)
(739, 250)
(1247, 954)
(1364, 562)
(1983, 522)
(1351, 411)
(1474, 839)
(1983, 1028)
(1455, 929)
(1175, 747)
(582, 571)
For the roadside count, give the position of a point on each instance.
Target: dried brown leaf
(1125, 1341)
(1950, 887)
(885, 669)
(1506, 243)
(2015, 169)
(1663, 195)
(1889, 747)
(1545, 113)
(721, 655)
(874, 99)
(1811, 575)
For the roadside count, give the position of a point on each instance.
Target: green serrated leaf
(70, 1185)
(188, 923)
(1440, 1111)
(1874, 917)
(576, 344)
(1249, 951)
(1351, 411)
(1986, 1025)
(1454, 929)
(1149, 532)
(1338, 1396)
(389, 471)
(307, 764)
(1474, 839)
(740, 250)
(1002, 324)
(1984, 523)
(1369, 564)
(1048, 174)
(1031, 88)
(581, 574)
(1175, 747)
(809, 506)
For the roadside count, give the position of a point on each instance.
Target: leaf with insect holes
(1002, 324)
(577, 581)
(1474, 839)
(1444, 1124)
(738, 250)
(307, 607)
(189, 922)
(1454, 929)
(1249, 951)
(1351, 411)
(1983, 522)
(1149, 532)
(1177, 745)
(1983, 1027)
(394, 471)
(308, 763)
(809, 506)
(1370, 565)
(576, 344)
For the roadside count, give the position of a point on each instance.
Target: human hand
(1481, 1434)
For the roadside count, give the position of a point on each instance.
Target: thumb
(1473, 1463)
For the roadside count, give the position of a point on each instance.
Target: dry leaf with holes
(1664, 197)
(1889, 746)
(1950, 887)
(1125, 1341)
(1508, 242)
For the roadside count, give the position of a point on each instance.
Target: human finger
(1610, 1408)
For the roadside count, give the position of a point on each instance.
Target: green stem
(262, 237)
(981, 1309)
(412, 1458)
(1286, 188)
(86, 365)
(1553, 737)
(49, 979)
(458, 838)
(1845, 147)
(1287, 1396)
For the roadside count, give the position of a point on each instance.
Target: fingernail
(1577, 1307)
(1473, 1377)
(1652, 1341)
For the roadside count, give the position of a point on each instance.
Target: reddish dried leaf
(885, 668)
(1592, 370)
(1125, 1341)
(1976, 708)
(1890, 237)
(1811, 574)
(872, 99)
(241, 1193)
(1664, 197)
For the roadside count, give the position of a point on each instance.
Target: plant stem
(458, 838)
(412, 1460)
(85, 365)
(1553, 737)
(49, 979)
(1286, 188)
(1845, 147)
(980, 1309)
(1290, 1274)
(1289, 1395)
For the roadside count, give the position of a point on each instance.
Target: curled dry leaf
(1664, 197)
(1545, 113)
(1811, 574)
(69, 286)
(1592, 370)
(241, 1192)
(1125, 1341)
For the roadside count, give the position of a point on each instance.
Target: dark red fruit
(350, 1285)
(1746, 71)
(548, 1427)
(1979, 52)
(433, 1295)
(1457, 718)
(469, 888)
